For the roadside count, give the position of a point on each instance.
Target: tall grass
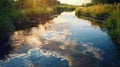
(113, 23)
(22, 16)
(109, 13)
(100, 12)
(27, 15)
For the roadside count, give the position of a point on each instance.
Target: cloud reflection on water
(51, 42)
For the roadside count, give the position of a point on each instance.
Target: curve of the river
(65, 41)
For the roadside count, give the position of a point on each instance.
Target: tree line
(105, 1)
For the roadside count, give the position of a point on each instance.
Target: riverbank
(32, 17)
(70, 38)
(21, 19)
(107, 14)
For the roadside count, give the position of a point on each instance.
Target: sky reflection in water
(65, 41)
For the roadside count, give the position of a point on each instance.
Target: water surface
(65, 41)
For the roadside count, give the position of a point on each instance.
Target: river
(65, 41)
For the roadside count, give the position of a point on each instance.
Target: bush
(6, 26)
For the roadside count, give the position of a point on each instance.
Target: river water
(65, 41)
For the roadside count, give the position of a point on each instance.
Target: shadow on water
(5, 47)
(5, 51)
(29, 25)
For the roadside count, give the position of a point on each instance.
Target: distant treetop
(105, 1)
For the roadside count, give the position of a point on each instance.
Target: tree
(5, 16)
(105, 1)
(47, 3)
(25, 4)
(113, 1)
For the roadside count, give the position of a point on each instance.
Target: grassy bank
(108, 14)
(28, 15)
(24, 18)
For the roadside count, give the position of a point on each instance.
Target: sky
(75, 2)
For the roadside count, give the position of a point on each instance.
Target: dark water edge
(5, 48)
(117, 47)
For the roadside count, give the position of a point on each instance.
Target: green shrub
(6, 26)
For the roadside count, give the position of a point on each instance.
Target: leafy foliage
(6, 26)
(5, 14)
